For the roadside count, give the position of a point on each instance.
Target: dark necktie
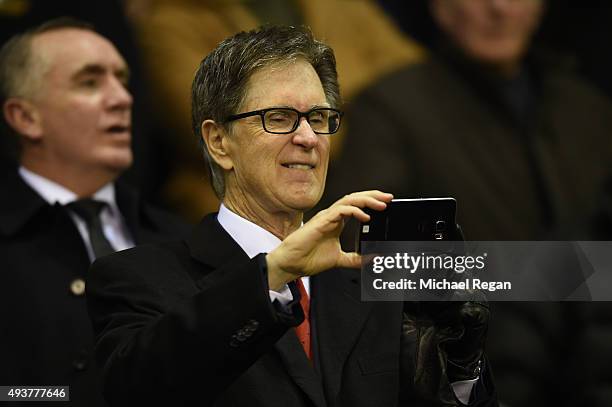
(303, 330)
(89, 210)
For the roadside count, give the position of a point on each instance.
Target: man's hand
(315, 247)
(442, 343)
(465, 352)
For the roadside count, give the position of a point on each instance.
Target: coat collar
(211, 245)
(24, 204)
(19, 205)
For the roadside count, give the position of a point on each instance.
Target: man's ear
(215, 138)
(23, 117)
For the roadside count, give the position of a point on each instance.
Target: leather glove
(465, 342)
(463, 324)
(441, 343)
(423, 381)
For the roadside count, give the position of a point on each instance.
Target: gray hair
(220, 83)
(21, 72)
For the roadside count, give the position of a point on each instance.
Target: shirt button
(77, 287)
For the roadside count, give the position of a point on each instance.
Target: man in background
(64, 95)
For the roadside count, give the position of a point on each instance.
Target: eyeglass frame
(262, 113)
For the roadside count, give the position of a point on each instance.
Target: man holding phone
(256, 308)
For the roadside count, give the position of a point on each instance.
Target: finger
(361, 199)
(367, 201)
(369, 258)
(339, 212)
(349, 260)
(332, 218)
(374, 194)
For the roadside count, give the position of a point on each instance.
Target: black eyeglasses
(284, 120)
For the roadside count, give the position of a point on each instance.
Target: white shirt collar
(53, 192)
(253, 239)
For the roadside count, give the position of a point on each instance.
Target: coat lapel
(128, 202)
(25, 204)
(136, 216)
(340, 315)
(300, 368)
(27, 209)
(211, 245)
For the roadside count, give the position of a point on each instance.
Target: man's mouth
(299, 166)
(119, 128)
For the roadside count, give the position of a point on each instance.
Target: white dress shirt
(254, 239)
(113, 224)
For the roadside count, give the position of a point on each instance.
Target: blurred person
(486, 121)
(64, 96)
(208, 320)
(521, 143)
(150, 159)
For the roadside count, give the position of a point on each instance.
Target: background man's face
(279, 172)
(83, 103)
(495, 32)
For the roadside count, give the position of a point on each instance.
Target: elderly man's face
(279, 172)
(495, 32)
(83, 104)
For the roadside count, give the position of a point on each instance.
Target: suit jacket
(191, 323)
(46, 338)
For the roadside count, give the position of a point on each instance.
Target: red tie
(303, 330)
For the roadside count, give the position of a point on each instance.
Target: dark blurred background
(163, 50)
(542, 354)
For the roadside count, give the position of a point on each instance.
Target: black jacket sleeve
(172, 331)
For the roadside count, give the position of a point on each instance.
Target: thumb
(349, 260)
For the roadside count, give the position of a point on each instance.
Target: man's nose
(304, 135)
(119, 97)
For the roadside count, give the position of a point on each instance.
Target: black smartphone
(423, 219)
